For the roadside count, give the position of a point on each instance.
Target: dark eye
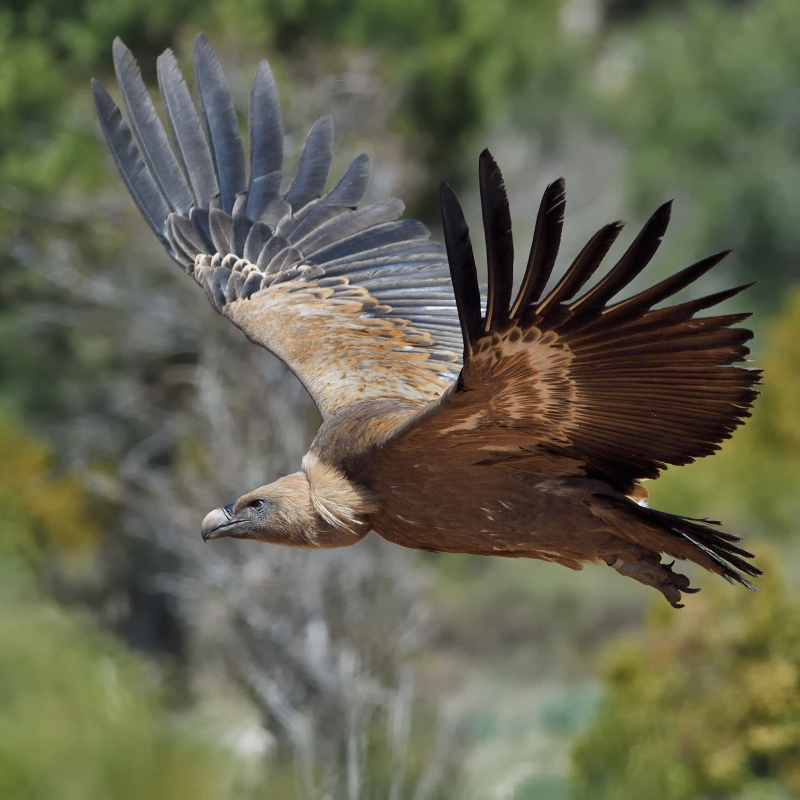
(256, 505)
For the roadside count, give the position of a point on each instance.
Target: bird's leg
(646, 567)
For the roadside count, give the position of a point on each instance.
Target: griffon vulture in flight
(516, 426)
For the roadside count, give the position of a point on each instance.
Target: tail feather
(699, 542)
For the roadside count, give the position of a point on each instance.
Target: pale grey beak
(217, 522)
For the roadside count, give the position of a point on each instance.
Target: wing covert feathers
(624, 387)
(371, 311)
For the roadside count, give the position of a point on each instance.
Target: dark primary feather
(345, 195)
(266, 142)
(582, 268)
(265, 125)
(350, 188)
(644, 301)
(635, 259)
(499, 242)
(544, 248)
(463, 271)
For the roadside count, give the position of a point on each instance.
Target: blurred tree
(38, 510)
(708, 705)
(705, 98)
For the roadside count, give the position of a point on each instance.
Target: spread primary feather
(513, 426)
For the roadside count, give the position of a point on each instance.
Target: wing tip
(98, 89)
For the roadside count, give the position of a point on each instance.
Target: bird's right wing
(556, 384)
(358, 303)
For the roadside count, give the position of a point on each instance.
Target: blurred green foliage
(456, 60)
(707, 705)
(706, 97)
(80, 718)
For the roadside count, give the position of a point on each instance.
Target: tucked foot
(648, 569)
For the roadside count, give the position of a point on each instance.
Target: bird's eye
(256, 505)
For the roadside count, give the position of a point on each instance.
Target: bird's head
(280, 513)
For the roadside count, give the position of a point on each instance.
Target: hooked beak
(218, 522)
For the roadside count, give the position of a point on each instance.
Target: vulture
(456, 418)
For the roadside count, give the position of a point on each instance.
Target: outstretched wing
(560, 385)
(358, 303)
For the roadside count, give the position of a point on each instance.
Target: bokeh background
(137, 663)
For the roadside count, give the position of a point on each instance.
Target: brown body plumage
(515, 426)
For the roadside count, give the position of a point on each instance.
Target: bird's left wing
(358, 303)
